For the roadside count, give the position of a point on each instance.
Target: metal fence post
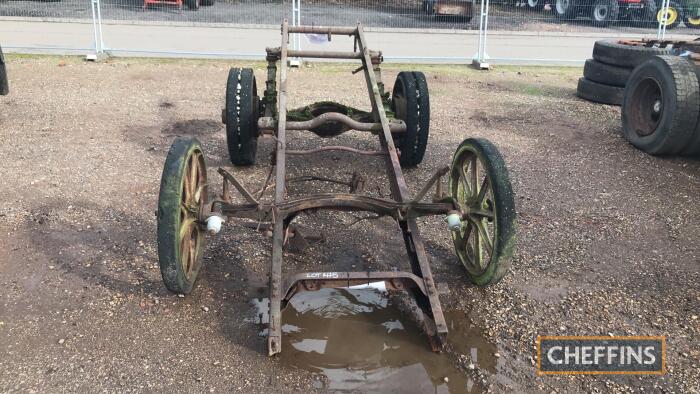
(480, 60)
(296, 39)
(661, 31)
(97, 31)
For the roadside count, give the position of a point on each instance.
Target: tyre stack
(606, 74)
(4, 87)
(661, 107)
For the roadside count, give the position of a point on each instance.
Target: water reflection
(362, 343)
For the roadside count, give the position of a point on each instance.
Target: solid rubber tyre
(178, 227)
(410, 102)
(616, 54)
(599, 93)
(661, 106)
(497, 199)
(612, 12)
(606, 74)
(193, 4)
(242, 113)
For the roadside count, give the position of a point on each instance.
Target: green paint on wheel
(183, 195)
(480, 185)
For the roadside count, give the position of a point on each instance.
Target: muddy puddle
(361, 342)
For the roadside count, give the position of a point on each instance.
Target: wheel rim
(472, 190)
(532, 3)
(646, 107)
(600, 12)
(667, 17)
(399, 104)
(399, 100)
(562, 6)
(192, 200)
(694, 21)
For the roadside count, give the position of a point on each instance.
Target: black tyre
(565, 9)
(599, 93)
(242, 113)
(672, 16)
(661, 105)
(428, 6)
(183, 195)
(617, 54)
(480, 185)
(410, 102)
(208, 3)
(644, 17)
(193, 4)
(606, 74)
(604, 12)
(4, 85)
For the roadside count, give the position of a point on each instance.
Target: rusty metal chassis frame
(282, 211)
(678, 46)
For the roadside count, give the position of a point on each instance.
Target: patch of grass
(533, 90)
(333, 68)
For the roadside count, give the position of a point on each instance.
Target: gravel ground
(607, 234)
(406, 14)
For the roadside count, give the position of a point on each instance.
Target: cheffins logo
(595, 355)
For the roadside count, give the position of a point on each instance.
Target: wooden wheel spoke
(186, 185)
(464, 180)
(193, 177)
(188, 244)
(477, 250)
(193, 247)
(474, 175)
(184, 212)
(185, 251)
(484, 235)
(185, 227)
(483, 213)
(463, 239)
(485, 185)
(467, 233)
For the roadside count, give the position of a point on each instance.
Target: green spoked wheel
(183, 195)
(480, 186)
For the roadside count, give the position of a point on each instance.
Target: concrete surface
(155, 40)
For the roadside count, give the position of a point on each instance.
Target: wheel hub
(601, 12)
(562, 6)
(646, 108)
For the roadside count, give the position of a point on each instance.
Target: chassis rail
(279, 214)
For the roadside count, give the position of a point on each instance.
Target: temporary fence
(476, 20)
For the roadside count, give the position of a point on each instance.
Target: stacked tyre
(661, 107)
(606, 74)
(4, 86)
